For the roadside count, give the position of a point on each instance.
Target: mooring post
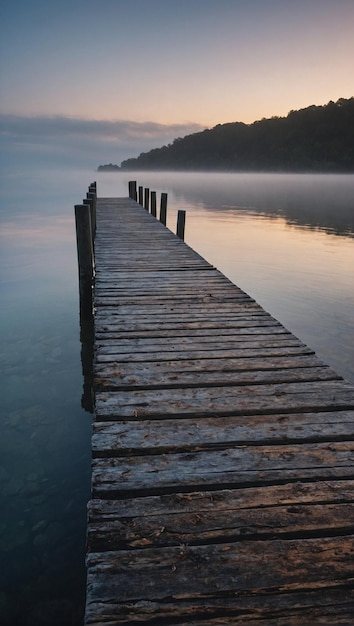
(91, 195)
(146, 198)
(141, 195)
(181, 221)
(132, 190)
(89, 202)
(153, 203)
(163, 208)
(84, 257)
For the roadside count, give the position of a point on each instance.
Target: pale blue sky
(174, 62)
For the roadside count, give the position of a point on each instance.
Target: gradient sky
(183, 63)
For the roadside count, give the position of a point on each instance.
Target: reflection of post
(85, 258)
(163, 208)
(85, 219)
(86, 338)
(181, 220)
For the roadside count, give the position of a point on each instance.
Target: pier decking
(222, 480)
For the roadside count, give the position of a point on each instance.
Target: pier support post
(85, 258)
(141, 195)
(146, 198)
(89, 202)
(181, 221)
(91, 195)
(163, 208)
(132, 190)
(153, 203)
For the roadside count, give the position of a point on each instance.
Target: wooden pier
(222, 479)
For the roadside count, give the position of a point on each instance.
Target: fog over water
(287, 240)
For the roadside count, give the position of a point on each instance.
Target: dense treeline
(318, 138)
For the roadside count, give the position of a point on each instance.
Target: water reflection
(255, 228)
(316, 201)
(304, 277)
(45, 435)
(86, 339)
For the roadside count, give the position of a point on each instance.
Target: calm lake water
(287, 240)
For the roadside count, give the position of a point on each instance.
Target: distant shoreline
(110, 167)
(317, 139)
(117, 169)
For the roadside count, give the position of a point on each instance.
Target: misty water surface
(288, 240)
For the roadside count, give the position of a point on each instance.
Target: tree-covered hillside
(318, 138)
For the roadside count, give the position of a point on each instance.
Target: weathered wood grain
(222, 475)
(302, 494)
(234, 353)
(118, 380)
(219, 516)
(192, 571)
(237, 466)
(166, 373)
(217, 527)
(169, 328)
(246, 400)
(324, 607)
(211, 344)
(160, 436)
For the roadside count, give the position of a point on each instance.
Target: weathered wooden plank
(246, 400)
(326, 607)
(156, 436)
(267, 333)
(168, 280)
(192, 571)
(188, 289)
(232, 525)
(197, 328)
(220, 501)
(192, 311)
(297, 358)
(209, 343)
(231, 467)
(189, 355)
(150, 280)
(161, 315)
(118, 379)
(208, 334)
(175, 272)
(170, 299)
(267, 432)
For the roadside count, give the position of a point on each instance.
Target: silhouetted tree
(317, 138)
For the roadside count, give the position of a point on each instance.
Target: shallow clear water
(288, 240)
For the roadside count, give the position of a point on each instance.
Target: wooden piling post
(84, 257)
(181, 220)
(163, 208)
(132, 190)
(153, 203)
(92, 196)
(89, 202)
(141, 195)
(146, 198)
